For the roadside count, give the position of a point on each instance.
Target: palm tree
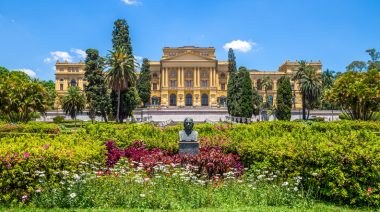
(310, 86)
(267, 83)
(74, 102)
(327, 79)
(121, 73)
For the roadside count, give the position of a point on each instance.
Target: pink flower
(369, 191)
(8, 165)
(26, 155)
(46, 146)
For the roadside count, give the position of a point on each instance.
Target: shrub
(58, 119)
(27, 161)
(32, 127)
(211, 161)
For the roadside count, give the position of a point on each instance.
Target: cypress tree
(232, 104)
(257, 103)
(244, 94)
(121, 38)
(97, 93)
(284, 99)
(143, 85)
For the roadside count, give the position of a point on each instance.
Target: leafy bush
(375, 116)
(210, 161)
(32, 127)
(26, 158)
(58, 119)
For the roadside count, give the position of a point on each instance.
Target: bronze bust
(188, 134)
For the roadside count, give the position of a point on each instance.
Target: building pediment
(188, 56)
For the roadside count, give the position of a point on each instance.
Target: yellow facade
(189, 77)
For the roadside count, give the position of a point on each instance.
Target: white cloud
(80, 53)
(131, 2)
(58, 55)
(239, 45)
(27, 71)
(47, 60)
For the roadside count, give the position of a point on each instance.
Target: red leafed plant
(210, 160)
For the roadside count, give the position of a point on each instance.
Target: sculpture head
(188, 125)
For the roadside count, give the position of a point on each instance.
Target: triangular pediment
(188, 56)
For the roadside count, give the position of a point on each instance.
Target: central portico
(189, 77)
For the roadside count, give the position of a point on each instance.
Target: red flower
(369, 191)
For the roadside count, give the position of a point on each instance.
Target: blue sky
(264, 33)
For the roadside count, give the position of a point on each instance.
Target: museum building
(190, 77)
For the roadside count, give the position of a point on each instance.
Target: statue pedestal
(189, 147)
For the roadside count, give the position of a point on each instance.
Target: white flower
(295, 188)
(25, 173)
(142, 195)
(314, 174)
(260, 176)
(72, 195)
(76, 177)
(38, 190)
(285, 184)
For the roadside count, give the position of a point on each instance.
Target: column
(194, 77)
(178, 77)
(166, 77)
(182, 77)
(210, 78)
(198, 77)
(213, 76)
(217, 80)
(275, 85)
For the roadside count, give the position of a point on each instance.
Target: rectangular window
(204, 83)
(173, 83)
(188, 83)
(223, 86)
(61, 87)
(154, 86)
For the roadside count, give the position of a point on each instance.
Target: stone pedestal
(189, 147)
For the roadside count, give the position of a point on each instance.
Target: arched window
(154, 76)
(189, 100)
(259, 86)
(204, 100)
(188, 74)
(261, 98)
(154, 100)
(270, 86)
(223, 101)
(73, 82)
(222, 76)
(173, 100)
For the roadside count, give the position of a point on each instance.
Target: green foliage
(284, 99)
(131, 100)
(257, 102)
(74, 102)
(245, 94)
(31, 127)
(170, 189)
(58, 119)
(22, 97)
(97, 92)
(358, 93)
(120, 36)
(310, 86)
(27, 162)
(232, 84)
(52, 93)
(373, 63)
(143, 85)
(375, 116)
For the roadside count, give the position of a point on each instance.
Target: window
(154, 86)
(173, 73)
(223, 101)
(73, 82)
(204, 74)
(204, 83)
(173, 100)
(61, 87)
(188, 74)
(270, 100)
(189, 100)
(222, 76)
(188, 83)
(223, 86)
(259, 86)
(154, 75)
(204, 100)
(173, 83)
(154, 100)
(61, 69)
(292, 85)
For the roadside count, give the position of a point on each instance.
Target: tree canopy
(143, 85)
(284, 99)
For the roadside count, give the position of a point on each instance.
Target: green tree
(120, 74)
(374, 63)
(357, 66)
(257, 102)
(357, 93)
(132, 100)
(244, 94)
(21, 98)
(267, 84)
(121, 39)
(97, 92)
(74, 102)
(232, 84)
(284, 99)
(328, 77)
(143, 85)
